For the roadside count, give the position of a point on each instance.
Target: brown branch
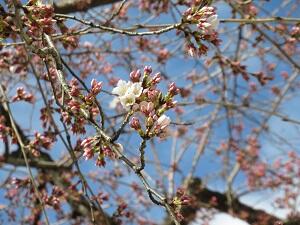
(22, 145)
(202, 198)
(45, 164)
(71, 6)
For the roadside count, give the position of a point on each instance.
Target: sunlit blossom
(127, 92)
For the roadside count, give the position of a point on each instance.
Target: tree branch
(71, 6)
(202, 198)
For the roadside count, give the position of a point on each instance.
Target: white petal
(127, 100)
(136, 89)
(121, 88)
(214, 21)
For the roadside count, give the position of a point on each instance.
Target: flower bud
(88, 153)
(157, 78)
(146, 107)
(147, 70)
(135, 75)
(163, 121)
(135, 123)
(96, 86)
(173, 90)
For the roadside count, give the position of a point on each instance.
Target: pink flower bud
(108, 152)
(147, 70)
(170, 104)
(135, 123)
(191, 49)
(152, 94)
(173, 90)
(146, 107)
(135, 75)
(96, 86)
(100, 162)
(157, 78)
(88, 153)
(75, 91)
(86, 142)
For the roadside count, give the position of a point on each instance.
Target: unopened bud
(135, 123)
(148, 70)
(135, 76)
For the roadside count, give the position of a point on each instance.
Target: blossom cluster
(180, 200)
(145, 100)
(40, 141)
(78, 102)
(93, 145)
(128, 92)
(38, 19)
(23, 95)
(207, 22)
(141, 97)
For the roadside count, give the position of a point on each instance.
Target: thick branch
(81, 206)
(203, 197)
(71, 6)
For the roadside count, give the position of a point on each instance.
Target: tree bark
(202, 198)
(49, 168)
(71, 6)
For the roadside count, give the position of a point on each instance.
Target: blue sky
(176, 68)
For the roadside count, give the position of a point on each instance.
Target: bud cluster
(40, 141)
(93, 145)
(39, 19)
(23, 95)
(180, 200)
(54, 199)
(146, 101)
(80, 101)
(207, 22)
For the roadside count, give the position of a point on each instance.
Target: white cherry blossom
(213, 22)
(136, 89)
(122, 87)
(127, 100)
(163, 121)
(127, 93)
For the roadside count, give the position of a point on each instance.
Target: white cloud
(226, 219)
(221, 219)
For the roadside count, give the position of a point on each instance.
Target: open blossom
(122, 87)
(162, 122)
(127, 100)
(209, 24)
(136, 89)
(213, 22)
(128, 92)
